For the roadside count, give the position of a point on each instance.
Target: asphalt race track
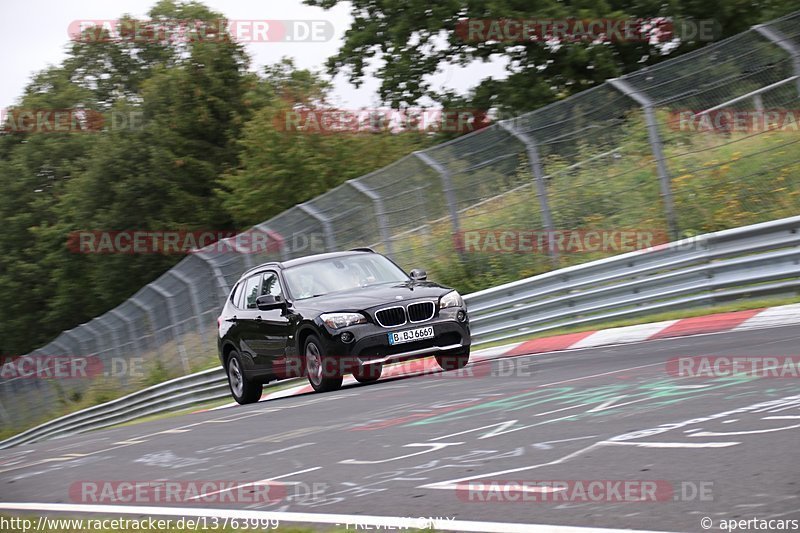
(723, 448)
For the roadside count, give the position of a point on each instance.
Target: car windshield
(341, 274)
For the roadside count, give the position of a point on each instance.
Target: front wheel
(243, 390)
(322, 371)
(453, 361)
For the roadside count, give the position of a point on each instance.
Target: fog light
(461, 316)
(347, 337)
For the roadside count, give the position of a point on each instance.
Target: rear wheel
(243, 390)
(368, 373)
(321, 370)
(453, 361)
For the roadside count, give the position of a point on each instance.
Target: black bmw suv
(330, 314)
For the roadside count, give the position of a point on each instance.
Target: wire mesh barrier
(700, 143)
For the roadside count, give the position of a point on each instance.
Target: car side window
(251, 291)
(236, 296)
(271, 284)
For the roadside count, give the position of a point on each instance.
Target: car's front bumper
(371, 341)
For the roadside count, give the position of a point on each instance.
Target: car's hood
(377, 295)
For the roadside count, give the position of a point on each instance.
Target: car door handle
(258, 318)
(232, 319)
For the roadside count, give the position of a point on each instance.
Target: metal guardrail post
(95, 335)
(784, 42)
(221, 281)
(131, 330)
(541, 187)
(656, 145)
(173, 317)
(330, 238)
(151, 316)
(77, 342)
(380, 213)
(112, 371)
(193, 296)
(64, 349)
(447, 186)
(283, 249)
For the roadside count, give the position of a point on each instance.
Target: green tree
(413, 39)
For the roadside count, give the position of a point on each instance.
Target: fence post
(283, 249)
(447, 187)
(63, 348)
(131, 330)
(380, 213)
(117, 349)
(151, 316)
(221, 281)
(193, 296)
(541, 187)
(657, 146)
(76, 341)
(786, 43)
(173, 317)
(330, 238)
(95, 335)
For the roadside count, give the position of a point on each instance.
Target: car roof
(303, 260)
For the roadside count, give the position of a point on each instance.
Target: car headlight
(451, 299)
(342, 320)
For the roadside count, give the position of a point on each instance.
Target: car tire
(453, 361)
(321, 370)
(368, 373)
(243, 390)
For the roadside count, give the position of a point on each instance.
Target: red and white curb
(717, 323)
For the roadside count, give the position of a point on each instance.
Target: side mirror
(419, 275)
(268, 302)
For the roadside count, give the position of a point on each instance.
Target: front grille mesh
(394, 316)
(420, 312)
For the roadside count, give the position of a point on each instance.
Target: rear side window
(236, 296)
(251, 291)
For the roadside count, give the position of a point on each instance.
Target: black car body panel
(271, 342)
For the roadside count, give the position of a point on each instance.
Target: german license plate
(410, 335)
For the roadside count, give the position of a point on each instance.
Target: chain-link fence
(660, 149)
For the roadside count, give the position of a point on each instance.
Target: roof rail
(363, 249)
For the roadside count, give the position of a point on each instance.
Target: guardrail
(754, 260)
(739, 263)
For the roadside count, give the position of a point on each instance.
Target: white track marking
(254, 483)
(775, 316)
(453, 484)
(433, 447)
(731, 433)
(636, 333)
(374, 522)
(289, 448)
(675, 444)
